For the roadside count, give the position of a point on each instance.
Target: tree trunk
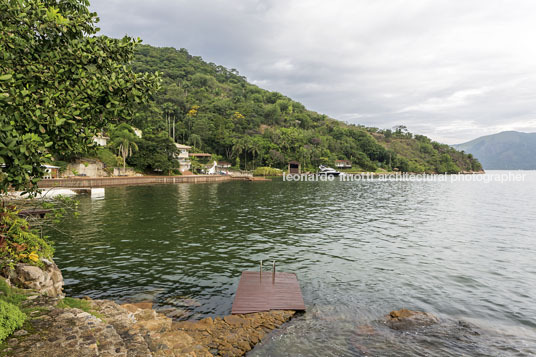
(124, 160)
(167, 121)
(173, 128)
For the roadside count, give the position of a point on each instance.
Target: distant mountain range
(507, 150)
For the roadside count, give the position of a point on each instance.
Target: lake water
(464, 251)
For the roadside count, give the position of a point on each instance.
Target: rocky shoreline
(58, 326)
(109, 329)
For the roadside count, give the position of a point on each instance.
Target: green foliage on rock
(18, 242)
(216, 110)
(59, 84)
(84, 305)
(11, 318)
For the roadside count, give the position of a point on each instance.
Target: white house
(51, 171)
(138, 132)
(101, 140)
(183, 157)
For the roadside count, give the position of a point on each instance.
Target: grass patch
(83, 305)
(10, 294)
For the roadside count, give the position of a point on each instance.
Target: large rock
(47, 281)
(405, 319)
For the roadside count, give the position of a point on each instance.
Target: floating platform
(265, 291)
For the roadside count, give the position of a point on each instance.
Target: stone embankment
(59, 326)
(48, 281)
(108, 329)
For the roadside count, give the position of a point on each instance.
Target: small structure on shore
(265, 291)
(343, 164)
(224, 165)
(294, 167)
(51, 171)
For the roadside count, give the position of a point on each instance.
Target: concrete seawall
(91, 182)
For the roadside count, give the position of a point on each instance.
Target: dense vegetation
(59, 84)
(216, 110)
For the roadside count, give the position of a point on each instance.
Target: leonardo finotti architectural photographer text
(408, 177)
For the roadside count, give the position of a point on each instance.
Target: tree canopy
(60, 84)
(216, 110)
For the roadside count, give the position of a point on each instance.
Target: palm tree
(125, 142)
(239, 146)
(195, 140)
(247, 147)
(255, 150)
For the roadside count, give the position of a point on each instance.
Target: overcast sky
(452, 70)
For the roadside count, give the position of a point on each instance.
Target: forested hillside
(216, 110)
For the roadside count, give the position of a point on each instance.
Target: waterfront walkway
(93, 182)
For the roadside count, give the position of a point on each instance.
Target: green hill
(216, 110)
(507, 150)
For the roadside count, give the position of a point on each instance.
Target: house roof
(224, 163)
(180, 146)
(342, 161)
(198, 154)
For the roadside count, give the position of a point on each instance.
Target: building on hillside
(223, 165)
(101, 139)
(294, 167)
(201, 155)
(343, 164)
(51, 171)
(183, 157)
(138, 132)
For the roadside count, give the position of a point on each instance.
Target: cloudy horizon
(453, 71)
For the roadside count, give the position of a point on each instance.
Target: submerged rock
(405, 319)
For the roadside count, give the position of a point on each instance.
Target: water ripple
(463, 251)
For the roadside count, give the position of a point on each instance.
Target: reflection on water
(463, 251)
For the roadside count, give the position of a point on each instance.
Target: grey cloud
(449, 70)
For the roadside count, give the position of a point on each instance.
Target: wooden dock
(265, 291)
(92, 182)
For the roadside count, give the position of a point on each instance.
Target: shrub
(11, 318)
(267, 171)
(18, 243)
(109, 159)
